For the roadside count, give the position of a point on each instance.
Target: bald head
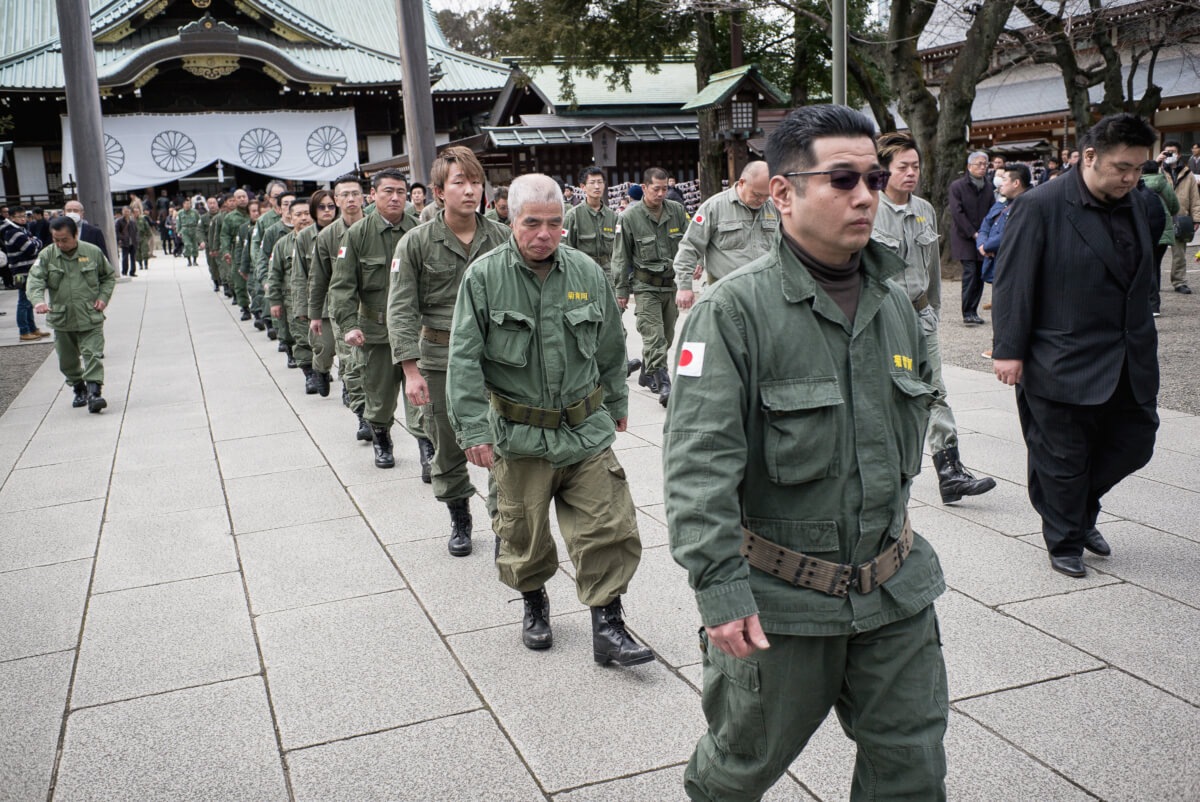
(753, 188)
(73, 207)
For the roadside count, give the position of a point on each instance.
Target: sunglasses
(876, 180)
(326, 207)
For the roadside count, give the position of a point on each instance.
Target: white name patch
(691, 359)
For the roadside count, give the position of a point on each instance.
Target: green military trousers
(214, 271)
(656, 315)
(449, 467)
(225, 271)
(349, 367)
(284, 331)
(80, 354)
(942, 431)
(323, 348)
(383, 385)
(302, 350)
(191, 242)
(240, 291)
(258, 299)
(595, 514)
(887, 685)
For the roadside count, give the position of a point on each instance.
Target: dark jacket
(990, 233)
(968, 207)
(127, 232)
(89, 233)
(20, 248)
(1063, 303)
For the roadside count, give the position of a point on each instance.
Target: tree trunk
(800, 62)
(712, 152)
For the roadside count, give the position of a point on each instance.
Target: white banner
(146, 150)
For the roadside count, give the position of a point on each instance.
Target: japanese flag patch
(698, 219)
(395, 265)
(564, 232)
(691, 359)
(342, 252)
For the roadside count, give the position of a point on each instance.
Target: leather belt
(653, 279)
(921, 302)
(572, 415)
(373, 314)
(435, 336)
(835, 579)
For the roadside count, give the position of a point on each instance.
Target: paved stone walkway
(209, 592)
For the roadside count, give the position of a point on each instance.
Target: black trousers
(1156, 294)
(128, 260)
(972, 286)
(1077, 454)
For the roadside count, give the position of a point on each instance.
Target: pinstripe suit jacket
(1064, 305)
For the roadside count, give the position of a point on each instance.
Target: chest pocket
(927, 237)
(91, 279)
(913, 398)
(647, 249)
(508, 338)
(802, 417)
(584, 323)
(374, 273)
(441, 283)
(54, 277)
(731, 236)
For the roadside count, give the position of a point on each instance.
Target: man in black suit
(971, 196)
(87, 231)
(1073, 332)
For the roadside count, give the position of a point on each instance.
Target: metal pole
(839, 52)
(418, 97)
(83, 109)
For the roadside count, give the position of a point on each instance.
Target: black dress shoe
(1071, 565)
(972, 320)
(1094, 542)
(1184, 289)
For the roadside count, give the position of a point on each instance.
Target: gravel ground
(17, 364)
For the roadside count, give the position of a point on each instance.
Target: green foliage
(6, 123)
(474, 32)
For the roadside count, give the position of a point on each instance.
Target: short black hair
(16, 210)
(59, 223)
(588, 172)
(654, 174)
(1172, 143)
(1149, 167)
(287, 193)
(892, 144)
(418, 185)
(35, 210)
(390, 172)
(1119, 130)
(790, 146)
(1053, 160)
(1020, 171)
(347, 178)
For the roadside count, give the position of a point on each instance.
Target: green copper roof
(723, 84)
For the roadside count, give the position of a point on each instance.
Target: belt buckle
(853, 580)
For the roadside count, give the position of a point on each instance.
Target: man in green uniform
(348, 196)
(427, 268)
(212, 240)
(648, 235)
(81, 282)
(592, 228)
(323, 210)
(233, 221)
(269, 215)
(189, 231)
(499, 211)
(241, 252)
(279, 273)
(145, 240)
(276, 328)
(536, 392)
(907, 224)
(358, 297)
(729, 230)
(788, 509)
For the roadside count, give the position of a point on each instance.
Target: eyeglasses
(876, 180)
(326, 207)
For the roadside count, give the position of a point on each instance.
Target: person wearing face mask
(86, 231)
(1188, 193)
(970, 198)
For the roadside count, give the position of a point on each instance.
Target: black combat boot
(345, 396)
(291, 360)
(610, 640)
(259, 323)
(216, 286)
(323, 380)
(426, 448)
(228, 292)
(649, 380)
(381, 436)
(81, 395)
(271, 333)
(246, 313)
(282, 347)
(954, 480)
(460, 527)
(632, 366)
(364, 428)
(535, 627)
(94, 401)
(310, 381)
(664, 385)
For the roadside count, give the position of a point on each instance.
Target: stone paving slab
(49, 535)
(213, 742)
(1155, 504)
(51, 485)
(168, 488)
(313, 563)
(1111, 733)
(43, 608)
(1173, 468)
(147, 452)
(270, 453)
(636, 718)
(155, 549)
(33, 694)
(664, 784)
(396, 765)
(400, 511)
(310, 494)
(164, 637)
(358, 666)
(166, 419)
(660, 608)
(50, 447)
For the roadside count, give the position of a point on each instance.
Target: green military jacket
(75, 281)
(267, 245)
(258, 259)
(205, 220)
(145, 236)
(241, 255)
(279, 269)
(229, 230)
(320, 272)
(817, 443)
(494, 216)
(725, 234)
(358, 291)
(427, 268)
(302, 258)
(647, 244)
(592, 231)
(213, 236)
(545, 344)
(911, 232)
(188, 219)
